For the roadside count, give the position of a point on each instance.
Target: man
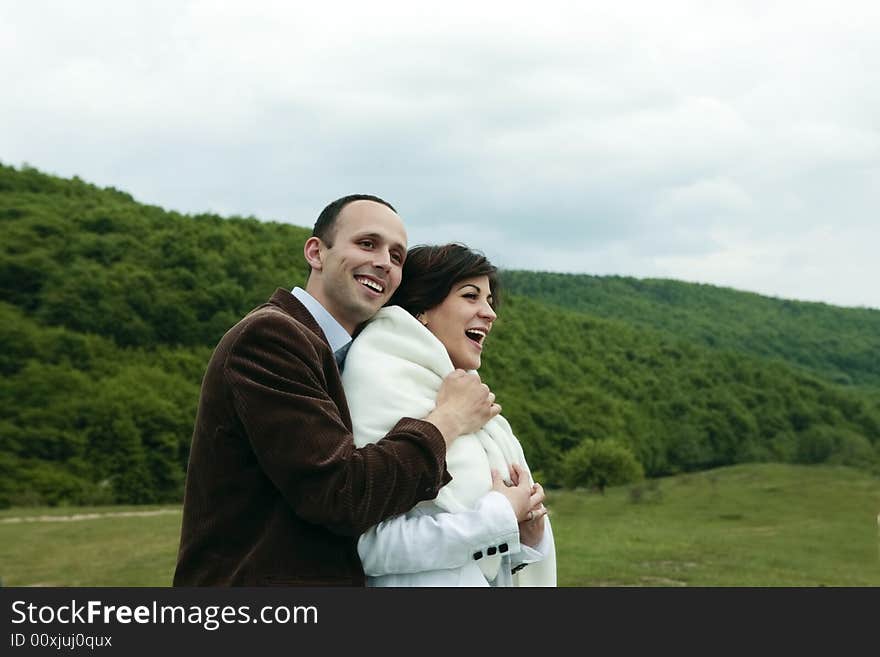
(276, 492)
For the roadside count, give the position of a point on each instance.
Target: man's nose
(382, 259)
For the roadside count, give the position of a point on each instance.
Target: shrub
(600, 463)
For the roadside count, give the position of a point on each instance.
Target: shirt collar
(337, 336)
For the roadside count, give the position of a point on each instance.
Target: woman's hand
(531, 531)
(531, 528)
(527, 502)
(519, 495)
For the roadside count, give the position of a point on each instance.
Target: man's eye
(396, 258)
(367, 243)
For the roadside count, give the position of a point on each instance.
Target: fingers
(498, 481)
(516, 470)
(537, 496)
(494, 409)
(536, 514)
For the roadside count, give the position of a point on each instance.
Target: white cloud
(735, 143)
(814, 265)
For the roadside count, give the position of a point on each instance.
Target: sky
(730, 143)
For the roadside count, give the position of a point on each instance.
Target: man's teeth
(373, 285)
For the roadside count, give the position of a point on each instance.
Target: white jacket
(468, 536)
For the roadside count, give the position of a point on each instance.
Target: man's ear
(312, 252)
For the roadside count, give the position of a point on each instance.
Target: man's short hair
(325, 226)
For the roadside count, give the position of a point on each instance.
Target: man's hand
(464, 405)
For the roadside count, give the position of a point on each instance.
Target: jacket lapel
(284, 300)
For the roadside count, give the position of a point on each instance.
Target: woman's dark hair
(429, 272)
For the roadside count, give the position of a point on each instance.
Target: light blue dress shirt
(337, 337)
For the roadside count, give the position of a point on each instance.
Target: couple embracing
(319, 460)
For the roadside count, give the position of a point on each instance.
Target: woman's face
(463, 321)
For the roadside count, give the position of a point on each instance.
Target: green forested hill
(110, 308)
(840, 344)
(96, 261)
(563, 376)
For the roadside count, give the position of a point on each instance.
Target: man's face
(360, 272)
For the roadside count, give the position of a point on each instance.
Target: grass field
(750, 525)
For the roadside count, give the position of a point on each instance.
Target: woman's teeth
(477, 335)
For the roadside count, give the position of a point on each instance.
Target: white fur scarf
(394, 369)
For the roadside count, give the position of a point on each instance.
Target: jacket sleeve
(280, 394)
(423, 540)
(529, 554)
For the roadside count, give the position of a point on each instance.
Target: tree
(600, 463)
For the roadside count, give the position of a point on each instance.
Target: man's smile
(371, 283)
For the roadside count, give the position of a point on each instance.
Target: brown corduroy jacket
(276, 492)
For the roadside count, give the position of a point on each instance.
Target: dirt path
(89, 516)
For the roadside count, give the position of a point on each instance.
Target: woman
(438, 321)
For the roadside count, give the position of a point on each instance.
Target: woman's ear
(423, 318)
